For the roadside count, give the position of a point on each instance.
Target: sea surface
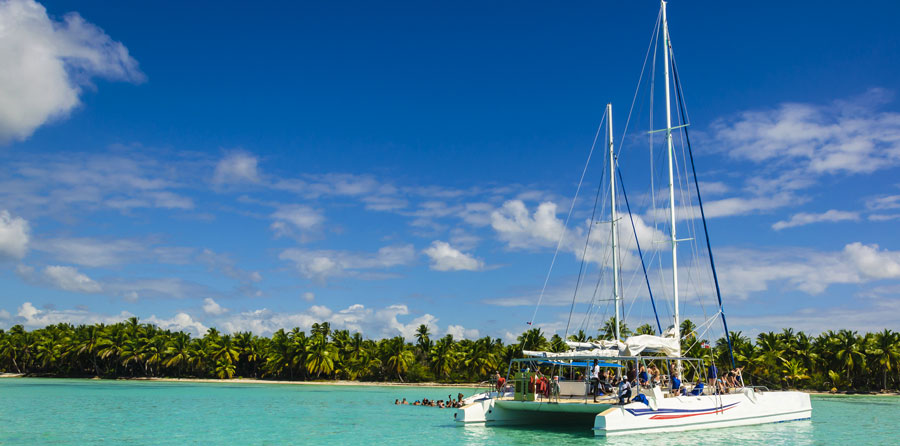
(36, 411)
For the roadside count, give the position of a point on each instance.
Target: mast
(615, 238)
(674, 241)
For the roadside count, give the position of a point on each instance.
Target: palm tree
(645, 329)
(442, 356)
(178, 351)
(321, 356)
(557, 344)
(581, 336)
(398, 357)
(533, 340)
(885, 351)
(423, 340)
(480, 358)
(847, 349)
(609, 329)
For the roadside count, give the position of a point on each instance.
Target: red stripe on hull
(672, 417)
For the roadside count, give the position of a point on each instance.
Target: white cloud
(746, 271)
(14, 236)
(309, 296)
(845, 136)
(31, 317)
(296, 218)
(91, 252)
(179, 322)
(46, 63)
(520, 229)
(884, 217)
(884, 203)
(212, 307)
(70, 279)
(460, 332)
(322, 264)
(447, 258)
(804, 218)
(236, 167)
(389, 321)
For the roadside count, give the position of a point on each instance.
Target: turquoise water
(83, 412)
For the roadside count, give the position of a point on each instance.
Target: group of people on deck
(441, 404)
(607, 381)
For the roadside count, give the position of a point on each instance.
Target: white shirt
(595, 373)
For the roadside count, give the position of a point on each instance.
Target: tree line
(844, 359)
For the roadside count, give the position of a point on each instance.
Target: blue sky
(213, 164)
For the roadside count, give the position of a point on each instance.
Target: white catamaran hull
(704, 412)
(662, 415)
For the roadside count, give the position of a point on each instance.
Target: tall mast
(615, 238)
(674, 241)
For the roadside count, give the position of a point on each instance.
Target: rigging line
(712, 263)
(654, 37)
(566, 224)
(640, 253)
(587, 242)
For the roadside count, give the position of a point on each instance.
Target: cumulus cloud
(70, 279)
(803, 218)
(447, 258)
(236, 168)
(747, 271)
(47, 63)
(14, 236)
(521, 229)
(294, 219)
(393, 320)
(210, 306)
(460, 332)
(850, 136)
(322, 264)
(32, 318)
(179, 322)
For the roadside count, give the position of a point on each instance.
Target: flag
(705, 345)
(529, 322)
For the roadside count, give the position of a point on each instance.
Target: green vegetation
(843, 359)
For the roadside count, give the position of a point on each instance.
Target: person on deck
(624, 391)
(501, 381)
(595, 380)
(676, 384)
(712, 373)
(737, 378)
(654, 376)
(643, 377)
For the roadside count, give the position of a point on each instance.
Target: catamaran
(567, 395)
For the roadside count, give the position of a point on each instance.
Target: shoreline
(263, 381)
(365, 383)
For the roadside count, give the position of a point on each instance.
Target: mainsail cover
(670, 346)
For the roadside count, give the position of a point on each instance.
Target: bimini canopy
(578, 364)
